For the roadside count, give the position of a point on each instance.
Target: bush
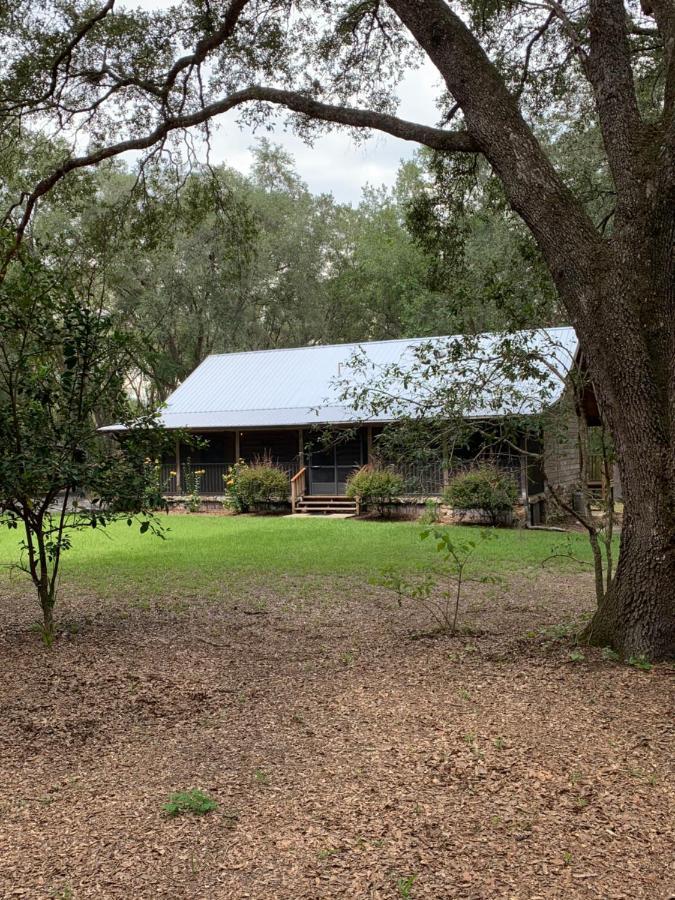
(375, 488)
(251, 486)
(487, 488)
(193, 801)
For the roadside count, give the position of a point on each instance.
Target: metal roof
(300, 386)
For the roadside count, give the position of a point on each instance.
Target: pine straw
(345, 752)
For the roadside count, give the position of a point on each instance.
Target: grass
(203, 553)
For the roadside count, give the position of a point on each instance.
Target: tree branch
(66, 55)
(436, 138)
(609, 71)
(538, 194)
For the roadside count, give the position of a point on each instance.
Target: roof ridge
(434, 337)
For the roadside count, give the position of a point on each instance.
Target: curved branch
(436, 138)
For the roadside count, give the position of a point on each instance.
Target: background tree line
(208, 260)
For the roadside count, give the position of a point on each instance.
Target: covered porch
(325, 463)
(318, 462)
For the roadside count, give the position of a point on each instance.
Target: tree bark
(637, 615)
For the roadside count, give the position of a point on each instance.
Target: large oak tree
(131, 80)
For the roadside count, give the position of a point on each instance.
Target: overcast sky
(335, 164)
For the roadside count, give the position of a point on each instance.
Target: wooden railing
(297, 487)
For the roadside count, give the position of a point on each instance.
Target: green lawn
(204, 553)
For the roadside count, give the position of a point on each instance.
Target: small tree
(443, 604)
(62, 369)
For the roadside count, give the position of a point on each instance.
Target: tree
(62, 365)
(609, 60)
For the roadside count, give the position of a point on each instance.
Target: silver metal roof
(301, 386)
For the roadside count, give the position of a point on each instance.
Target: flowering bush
(156, 487)
(193, 482)
(250, 486)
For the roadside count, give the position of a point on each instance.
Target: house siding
(561, 448)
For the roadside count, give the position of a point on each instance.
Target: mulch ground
(350, 756)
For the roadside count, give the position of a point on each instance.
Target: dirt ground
(349, 756)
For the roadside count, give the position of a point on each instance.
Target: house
(280, 403)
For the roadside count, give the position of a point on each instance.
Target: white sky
(335, 163)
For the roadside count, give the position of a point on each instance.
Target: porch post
(523, 473)
(301, 446)
(236, 446)
(369, 444)
(178, 478)
(445, 464)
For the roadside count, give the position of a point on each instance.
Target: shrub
(375, 488)
(194, 801)
(250, 486)
(486, 488)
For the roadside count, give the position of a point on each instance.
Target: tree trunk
(637, 614)
(47, 605)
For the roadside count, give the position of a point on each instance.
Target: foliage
(640, 661)
(456, 553)
(374, 487)
(252, 486)
(431, 514)
(487, 488)
(61, 370)
(206, 260)
(521, 81)
(405, 885)
(194, 801)
(157, 487)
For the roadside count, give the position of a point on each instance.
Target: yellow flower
(172, 474)
(200, 472)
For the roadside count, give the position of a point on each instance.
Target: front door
(330, 467)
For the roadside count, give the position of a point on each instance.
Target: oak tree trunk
(637, 615)
(631, 358)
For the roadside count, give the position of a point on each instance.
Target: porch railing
(430, 478)
(298, 486)
(421, 479)
(211, 477)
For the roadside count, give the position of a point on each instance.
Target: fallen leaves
(346, 759)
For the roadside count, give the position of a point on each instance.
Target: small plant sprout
(640, 662)
(194, 801)
(261, 776)
(576, 656)
(610, 655)
(405, 885)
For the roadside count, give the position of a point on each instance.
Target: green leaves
(194, 801)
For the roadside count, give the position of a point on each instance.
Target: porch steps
(326, 506)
